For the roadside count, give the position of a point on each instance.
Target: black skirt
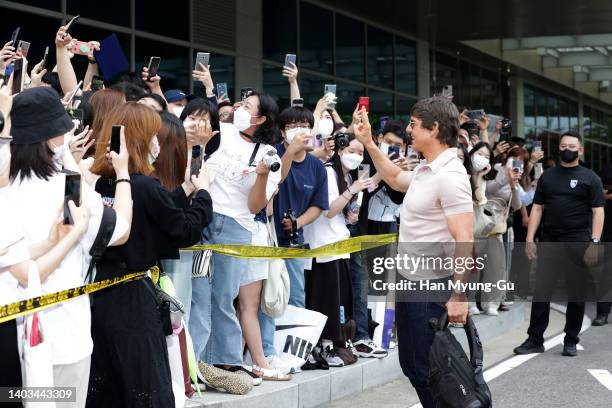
(129, 364)
(328, 287)
(10, 374)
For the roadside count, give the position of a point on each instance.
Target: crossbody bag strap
(105, 233)
(252, 159)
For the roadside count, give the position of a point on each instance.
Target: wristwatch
(595, 241)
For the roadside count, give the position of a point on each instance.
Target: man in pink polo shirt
(436, 215)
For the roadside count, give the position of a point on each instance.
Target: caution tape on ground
(350, 245)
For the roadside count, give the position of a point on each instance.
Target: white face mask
(384, 147)
(351, 160)
(58, 151)
(326, 126)
(479, 163)
(154, 150)
(292, 133)
(242, 119)
(177, 110)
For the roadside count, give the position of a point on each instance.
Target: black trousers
(559, 257)
(604, 307)
(415, 336)
(10, 373)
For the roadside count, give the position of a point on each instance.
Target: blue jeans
(297, 297)
(415, 337)
(179, 271)
(214, 327)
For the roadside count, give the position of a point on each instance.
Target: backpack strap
(476, 353)
(107, 227)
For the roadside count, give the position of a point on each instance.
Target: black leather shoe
(529, 347)
(570, 350)
(601, 319)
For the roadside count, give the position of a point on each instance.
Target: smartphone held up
(72, 192)
(115, 141)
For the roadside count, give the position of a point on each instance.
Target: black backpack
(454, 380)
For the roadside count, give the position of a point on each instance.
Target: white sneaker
(492, 311)
(367, 348)
(281, 365)
(474, 310)
(329, 354)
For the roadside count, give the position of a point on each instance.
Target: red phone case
(364, 101)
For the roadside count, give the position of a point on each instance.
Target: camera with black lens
(271, 160)
(341, 140)
(472, 127)
(293, 233)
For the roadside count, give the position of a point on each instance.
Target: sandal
(270, 374)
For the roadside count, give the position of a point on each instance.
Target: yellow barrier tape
(24, 307)
(346, 246)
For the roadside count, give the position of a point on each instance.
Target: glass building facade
(547, 116)
(142, 30)
(332, 48)
(248, 41)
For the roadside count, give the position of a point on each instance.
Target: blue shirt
(304, 187)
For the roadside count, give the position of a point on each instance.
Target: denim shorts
(257, 268)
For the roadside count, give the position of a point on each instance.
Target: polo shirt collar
(442, 159)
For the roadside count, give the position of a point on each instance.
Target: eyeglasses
(412, 123)
(296, 125)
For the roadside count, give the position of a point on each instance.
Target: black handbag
(454, 380)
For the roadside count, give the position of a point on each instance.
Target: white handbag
(37, 369)
(275, 291)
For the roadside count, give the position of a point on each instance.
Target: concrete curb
(313, 388)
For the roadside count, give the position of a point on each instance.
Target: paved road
(553, 381)
(548, 380)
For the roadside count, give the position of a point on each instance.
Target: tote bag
(297, 333)
(37, 355)
(275, 291)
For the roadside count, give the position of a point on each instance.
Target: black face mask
(568, 156)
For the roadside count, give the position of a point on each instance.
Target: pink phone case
(83, 48)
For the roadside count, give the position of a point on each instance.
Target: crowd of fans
(299, 175)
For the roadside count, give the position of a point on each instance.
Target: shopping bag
(185, 360)
(297, 333)
(176, 369)
(37, 369)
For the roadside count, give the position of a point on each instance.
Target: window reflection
(174, 68)
(173, 23)
(316, 38)
(380, 58)
(349, 48)
(279, 29)
(403, 106)
(405, 66)
(276, 85)
(110, 11)
(381, 104)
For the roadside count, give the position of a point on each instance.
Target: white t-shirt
(12, 237)
(232, 178)
(323, 230)
(36, 205)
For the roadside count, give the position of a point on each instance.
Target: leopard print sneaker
(223, 380)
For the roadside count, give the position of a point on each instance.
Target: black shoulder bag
(454, 380)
